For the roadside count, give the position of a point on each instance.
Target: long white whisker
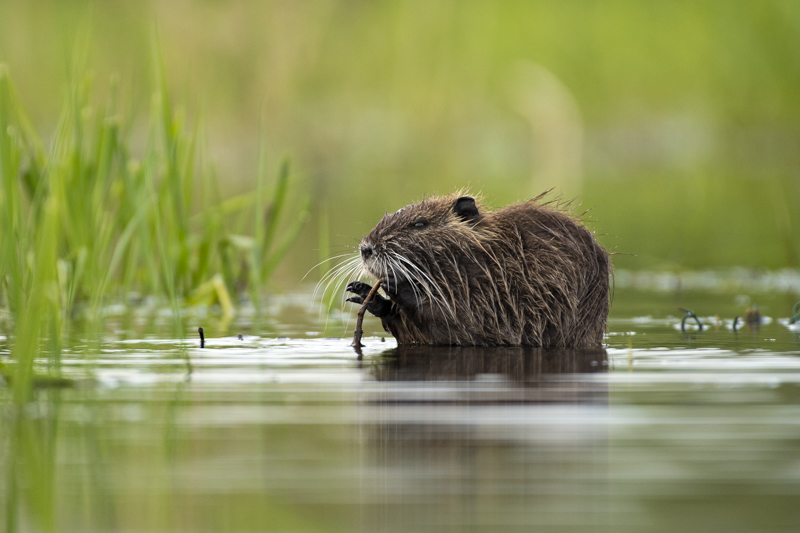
(412, 278)
(334, 273)
(428, 284)
(335, 278)
(347, 275)
(433, 301)
(415, 279)
(322, 263)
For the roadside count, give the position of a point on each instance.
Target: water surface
(284, 429)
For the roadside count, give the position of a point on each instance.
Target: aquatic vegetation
(88, 220)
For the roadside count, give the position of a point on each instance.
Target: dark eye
(420, 224)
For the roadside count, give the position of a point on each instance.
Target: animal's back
(561, 277)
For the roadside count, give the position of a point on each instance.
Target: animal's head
(418, 242)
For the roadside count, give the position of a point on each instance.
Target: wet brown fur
(528, 274)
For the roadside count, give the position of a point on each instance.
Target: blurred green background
(677, 122)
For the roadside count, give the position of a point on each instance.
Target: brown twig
(359, 332)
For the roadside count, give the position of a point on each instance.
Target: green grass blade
(276, 206)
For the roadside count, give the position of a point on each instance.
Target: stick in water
(202, 338)
(359, 332)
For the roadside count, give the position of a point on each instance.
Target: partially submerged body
(456, 273)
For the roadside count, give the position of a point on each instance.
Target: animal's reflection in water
(495, 439)
(517, 373)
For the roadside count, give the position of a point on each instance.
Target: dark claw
(378, 306)
(358, 287)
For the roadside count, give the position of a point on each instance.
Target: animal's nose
(367, 250)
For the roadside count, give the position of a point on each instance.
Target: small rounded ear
(465, 208)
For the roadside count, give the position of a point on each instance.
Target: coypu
(456, 273)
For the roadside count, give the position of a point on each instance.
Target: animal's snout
(367, 250)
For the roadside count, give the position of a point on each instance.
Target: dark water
(284, 430)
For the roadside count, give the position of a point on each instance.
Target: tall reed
(87, 221)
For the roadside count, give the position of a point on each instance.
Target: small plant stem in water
(359, 332)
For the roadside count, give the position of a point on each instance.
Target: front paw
(360, 288)
(391, 285)
(401, 291)
(378, 306)
(355, 300)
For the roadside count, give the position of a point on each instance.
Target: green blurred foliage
(85, 224)
(687, 111)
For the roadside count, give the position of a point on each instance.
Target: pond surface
(284, 430)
